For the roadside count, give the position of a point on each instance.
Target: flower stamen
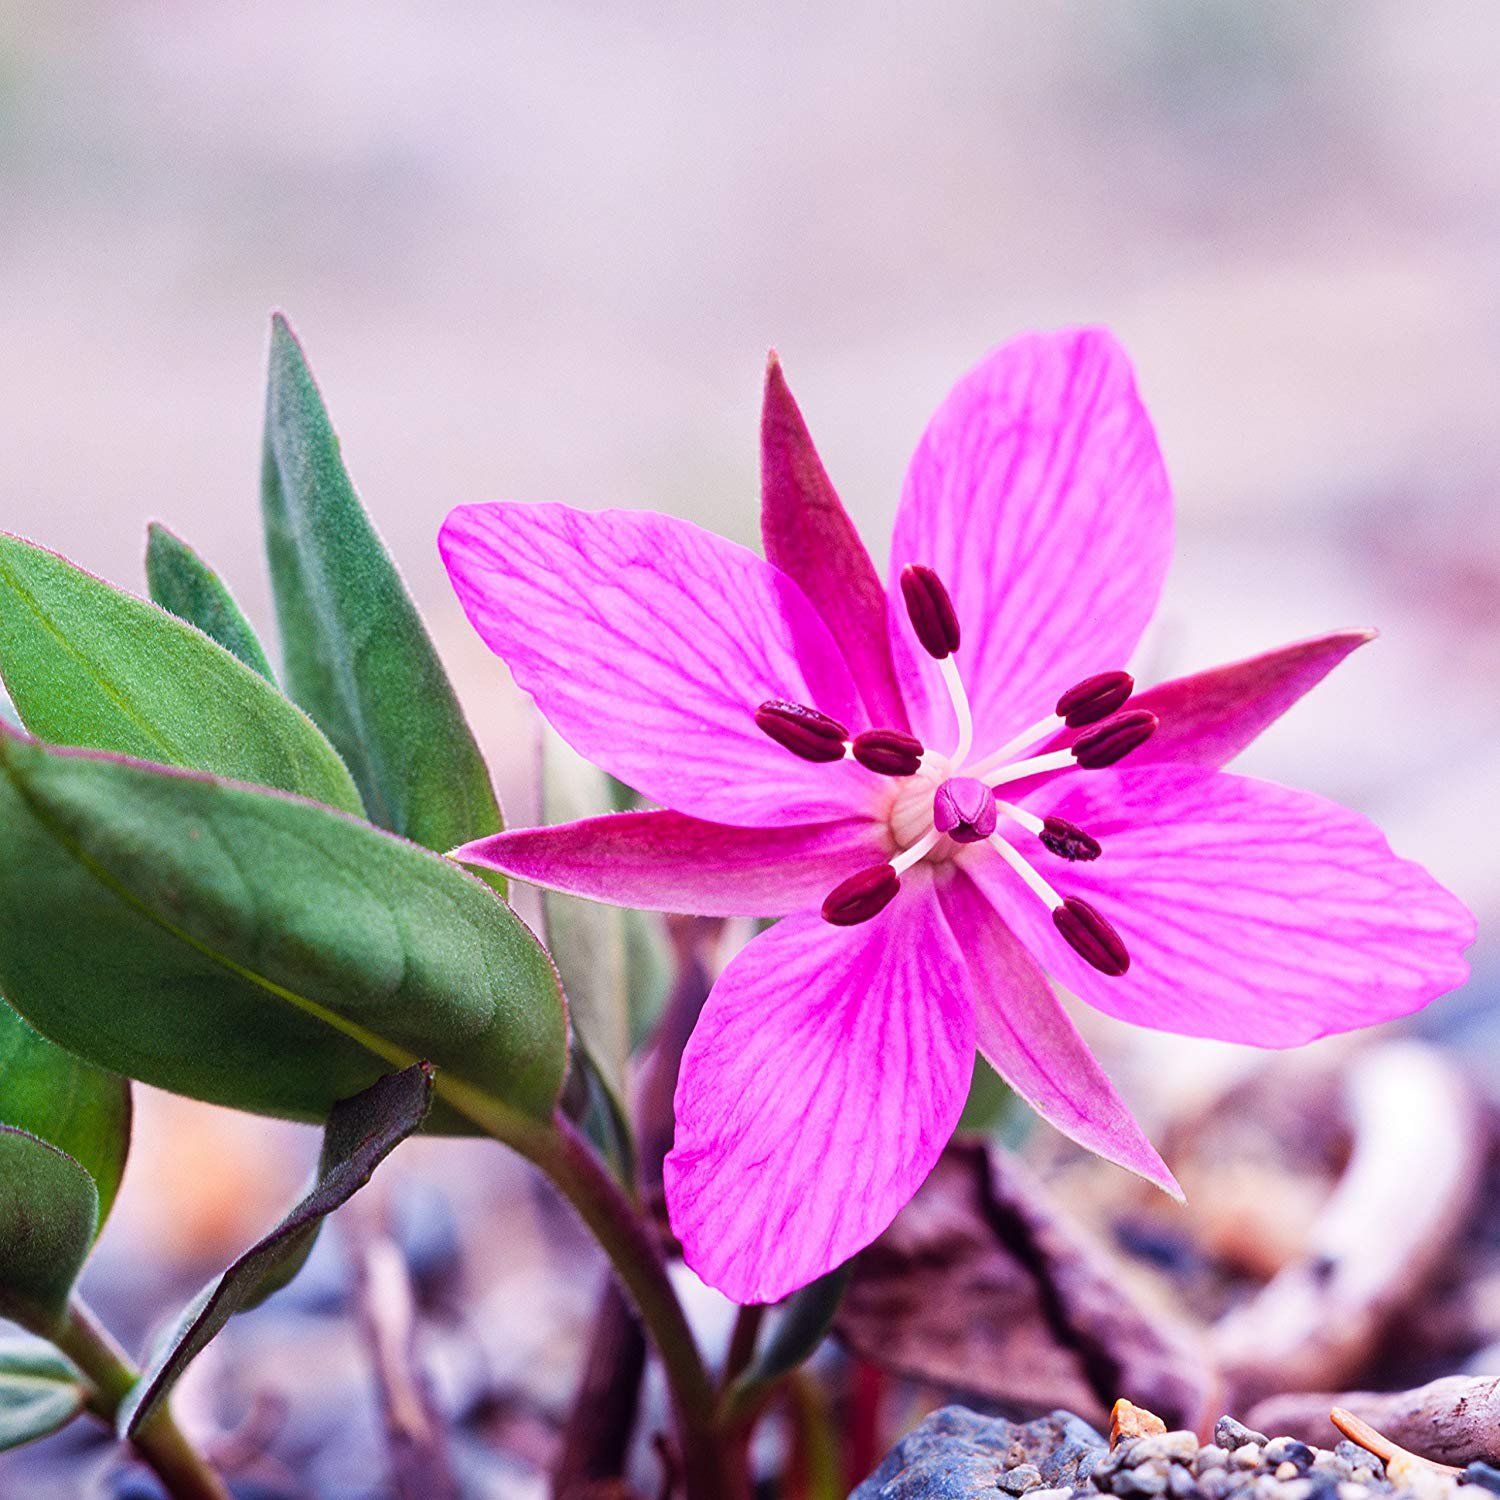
(1082, 928)
(1086, 703)
(804, 731)
(861, 896)
(1101, 746)
(889, 752)
(930, 610)
(1064, 839)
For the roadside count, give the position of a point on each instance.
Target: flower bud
(964, 809)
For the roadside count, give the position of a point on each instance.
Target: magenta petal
(648, 644)
(827, 1072)
(1039, 497)
(663, 861)
(807, 533)
(1031, 1042)
(1251, 912)
(1209, 717)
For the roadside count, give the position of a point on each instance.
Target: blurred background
(538, 250)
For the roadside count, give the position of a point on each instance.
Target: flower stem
(161, 1443)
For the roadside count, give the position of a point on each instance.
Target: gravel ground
(957, 1454)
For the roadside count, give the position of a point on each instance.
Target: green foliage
(182, 583)
(49, 1211)
(361, 1133)
(802, 1326)
(357, 656)
(257, 950)
(79, 1108)
(88, 664)
(40, 1391)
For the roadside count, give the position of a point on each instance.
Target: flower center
(941, 803)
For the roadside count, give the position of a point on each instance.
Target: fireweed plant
(285, 892)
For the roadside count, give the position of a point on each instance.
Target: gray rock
(1231, 1434)
(1142, 1481)
(1018, 1480)
(1482, 1476)
(1246, 1456)
(1287, 1450)
(1181, 1446)
(956, 1454)
(1210, 1456)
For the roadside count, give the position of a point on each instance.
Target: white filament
(949, 668)
(1018, 863)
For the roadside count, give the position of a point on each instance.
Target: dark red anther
(964, 809)
(861, 896)
(931, 610)
(802, 730)
(888, 751)
(1115, 738)
(1068, 841)
(1095, 698)
(1091, 937)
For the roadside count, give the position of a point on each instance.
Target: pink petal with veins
(1031, 1042)
(825, 1076)
(807, 533)
(662, 861)
(649, 644)
(1251, 912)
(1038, 496)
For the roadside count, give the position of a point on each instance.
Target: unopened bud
(1068, 841)
(802, 730)
(888, 751)
(931, 610)
(1091, 937)
(1114, 739)
(1095, 698)
(861, 896)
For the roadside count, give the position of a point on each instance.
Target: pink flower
(942, 788)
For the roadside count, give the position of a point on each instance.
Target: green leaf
(40, 1391)
(587, 939)
(88, 664)
(182, 583)
(803, 1325)
(357, 656)
(258, 950)
(49, 1210)
(992, 1107)
(67, 1101)
(361, 1133)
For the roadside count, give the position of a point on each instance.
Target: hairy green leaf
(40, 1391)
(357, 656)
(182, 583)
(258, 950)
(63, 1099)
(361, 1133)
(88, 664)
(49, 1210)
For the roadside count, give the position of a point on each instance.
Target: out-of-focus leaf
(650, 973)
(586, 938)
(992, 1108)
(361, 1133)
(257, 950)
(49, 1210)
(803, 1324)
(982, 1287)
(594, 1107)
(183, 584)
(88, 664)
(67, 1101)
(357, 656)
(40, 1391)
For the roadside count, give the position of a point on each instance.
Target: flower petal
(1039, 497)
(1251, 912)
(663, 861)
(1209, 717)
(827, 1072)
(648, 644)
(807, 533)
(1031, 1042)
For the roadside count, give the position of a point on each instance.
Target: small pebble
(1351, 1490)
(1289, 1451)
(1180, 1482)
(1231, 1434)
(1298, 1489)
(1472, 1491)
(1210, 1456)
(1182, 1446)
(1286, 1469)
(1247, 1456)
(1020, 1479)
(1214, 1483)
(1484, 1475)
(1063, 1492)
(1362, 1474)
(1139, 1482)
